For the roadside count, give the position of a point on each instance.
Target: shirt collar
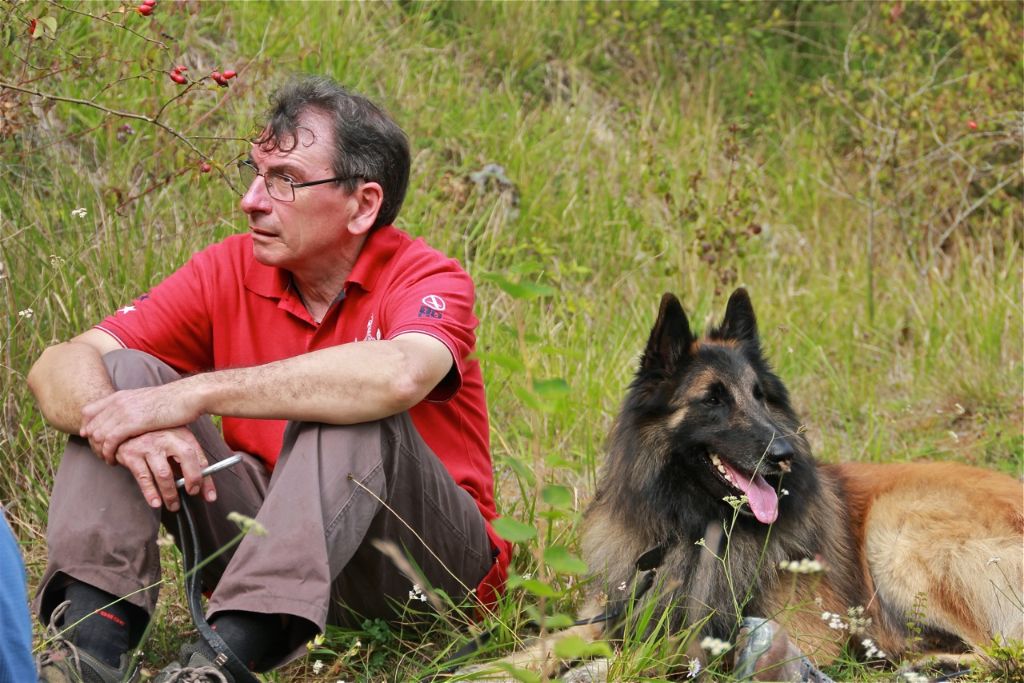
(380, 246)
(378, 249)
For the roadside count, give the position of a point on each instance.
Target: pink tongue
(763, 501)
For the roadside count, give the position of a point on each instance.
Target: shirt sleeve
(437, 301)
(170, 322)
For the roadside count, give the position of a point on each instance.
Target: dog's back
(942, 541)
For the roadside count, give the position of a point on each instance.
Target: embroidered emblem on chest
(370, 335)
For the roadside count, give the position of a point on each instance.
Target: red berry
(32, 27)
(144, 10)
(973, 125)
(178, 78)
(228, 75)
(204, 167)
(180, 69)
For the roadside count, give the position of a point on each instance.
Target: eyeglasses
(280, 187)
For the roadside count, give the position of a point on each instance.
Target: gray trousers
(315, 562)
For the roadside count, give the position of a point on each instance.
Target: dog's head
(709, 411)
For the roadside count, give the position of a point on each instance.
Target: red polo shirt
(224, 309)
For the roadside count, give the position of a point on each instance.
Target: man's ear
(368, 198)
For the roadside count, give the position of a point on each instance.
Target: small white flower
(993, 560)
(26, 313)
(417, 593)
(56, 261)
(804, 566)
(318, 666)
(913, 677)
(784, 492)
(835, 621)
(693, 668)
(736, 502)
(622, 586)
(715, 646)
(870, 650)
(702, 543)
(858, 623)
(80, 212)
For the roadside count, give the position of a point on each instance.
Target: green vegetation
(856, 166)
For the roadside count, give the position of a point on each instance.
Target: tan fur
(940, 544)
(943, 539)
(945, 536)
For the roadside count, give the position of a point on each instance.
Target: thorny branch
(107, 21)
(113, 112)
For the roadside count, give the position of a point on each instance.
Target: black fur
(692, 398)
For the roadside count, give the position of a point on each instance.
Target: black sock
(249, 634)
(106, 630)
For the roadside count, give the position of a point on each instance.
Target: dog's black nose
(780, 451)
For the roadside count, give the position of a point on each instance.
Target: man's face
(305, 235)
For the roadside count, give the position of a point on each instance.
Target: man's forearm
(343, 384)
(340, 385)
(66, 377)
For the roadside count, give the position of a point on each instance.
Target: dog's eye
(758, 393)
(712, 401)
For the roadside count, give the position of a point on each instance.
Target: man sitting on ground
(339, 352)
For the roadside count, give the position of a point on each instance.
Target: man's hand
(110, 421)
(149, 458)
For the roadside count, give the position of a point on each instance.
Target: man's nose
(256, 199)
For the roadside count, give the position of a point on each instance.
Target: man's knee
(131, 369)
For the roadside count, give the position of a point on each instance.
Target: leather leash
(190, 560)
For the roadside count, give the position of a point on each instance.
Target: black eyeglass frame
(246, 166)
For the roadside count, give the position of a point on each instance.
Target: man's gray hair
(369, 145)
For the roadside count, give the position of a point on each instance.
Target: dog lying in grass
(709, 478)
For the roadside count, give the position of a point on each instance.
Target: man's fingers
(105, 439)
(161, 469)
(192, 465)
(208, 490)
(144, 478)
(97, 448)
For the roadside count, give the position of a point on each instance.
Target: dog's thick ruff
(320, 505)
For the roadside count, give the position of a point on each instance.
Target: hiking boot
(765, 653)
(63, 662)
(197, 669)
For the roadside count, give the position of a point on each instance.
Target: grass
(644, 159)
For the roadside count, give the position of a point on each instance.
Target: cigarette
(215, 467)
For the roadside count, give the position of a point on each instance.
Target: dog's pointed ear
(739, 323)
(671, 338)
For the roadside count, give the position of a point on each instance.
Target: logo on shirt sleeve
(432, 307)
(130, 308)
